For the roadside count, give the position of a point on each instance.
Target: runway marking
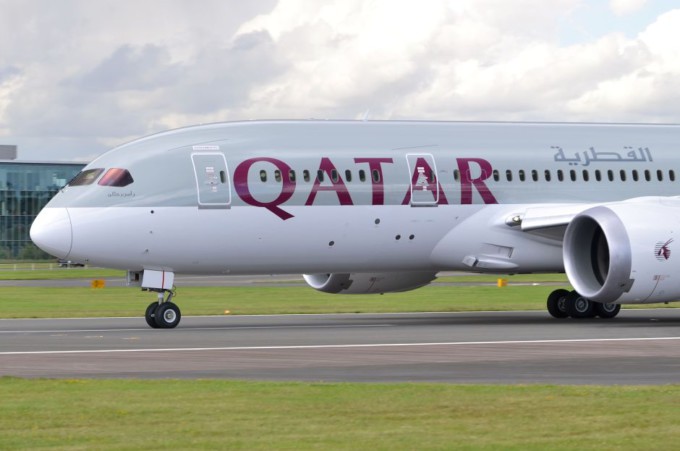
(147, 329)
(345, 346)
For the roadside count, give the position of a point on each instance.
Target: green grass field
(209, 414)
(261, 298)
(40, 302)
(58, 273)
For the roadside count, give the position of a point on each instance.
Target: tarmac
(637, 347)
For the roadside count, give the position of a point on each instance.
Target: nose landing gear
(162, 313)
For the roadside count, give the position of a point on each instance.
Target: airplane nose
(51, 231)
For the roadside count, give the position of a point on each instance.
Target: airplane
(382, 206)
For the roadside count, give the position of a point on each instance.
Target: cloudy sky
(78, 77)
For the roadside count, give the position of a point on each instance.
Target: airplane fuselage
(389, 201)
(267, 197)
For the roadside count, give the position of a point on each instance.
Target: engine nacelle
(365, 283)
(625, 252)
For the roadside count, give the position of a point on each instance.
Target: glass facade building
(25, 188)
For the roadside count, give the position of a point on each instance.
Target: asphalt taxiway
(638, 347)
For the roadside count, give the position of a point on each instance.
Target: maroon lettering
(424, 179)
(377, 184)
(243, 190)
(467, 182)
(337, 185)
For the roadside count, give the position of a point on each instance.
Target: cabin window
(572, 175)
(508, 175)
(362, 175)
(348, 175)
(586, 175)
(521, 175)
(334, 175)
(610, 175)
(263, 175)
(598, 175)
(648, 176)
(456, 175)
(659, 175)
(291, 175)
(560, 175)
(496, 175)
(319, 175)
(277, 175)
(622, 173)
(534, 175)
(635, 175)
(547, 175)
(86, 177)
(376, 175)
(671, 175)
(305, 175)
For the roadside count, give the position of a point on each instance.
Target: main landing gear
(570, 304)
(163, 313)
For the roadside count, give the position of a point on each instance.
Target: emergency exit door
(424, 183)
(212, 180)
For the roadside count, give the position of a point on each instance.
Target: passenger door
(212, 180)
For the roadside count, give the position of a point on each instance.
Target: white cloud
(95, 73)
(78, 76)
(624, 7)
(649, 90)
(478, 60)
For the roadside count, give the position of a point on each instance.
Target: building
(25, 188)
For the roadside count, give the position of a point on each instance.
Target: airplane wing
(547, 221)
(546, 217)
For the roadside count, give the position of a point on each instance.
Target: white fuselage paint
(484, 174)
(159, 240)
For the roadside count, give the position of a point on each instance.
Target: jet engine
(625, 252)
(366, 283)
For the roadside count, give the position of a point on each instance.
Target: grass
(41, 302)
(59, 273)
(74, 302)
(519, 278)
(211, 414)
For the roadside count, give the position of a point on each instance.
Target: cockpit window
(116, 177)
(86, 177)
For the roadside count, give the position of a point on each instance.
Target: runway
(638, 347)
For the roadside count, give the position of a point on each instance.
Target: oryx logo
(662, 251)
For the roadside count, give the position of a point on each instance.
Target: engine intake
(621, 252)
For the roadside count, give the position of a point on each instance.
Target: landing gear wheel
(556, 304)
(167, 315)
(150, 315)
(579, 307)
(607, 311)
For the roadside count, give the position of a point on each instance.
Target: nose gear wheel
(163, 314)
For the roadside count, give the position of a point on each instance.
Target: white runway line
(346, 346)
